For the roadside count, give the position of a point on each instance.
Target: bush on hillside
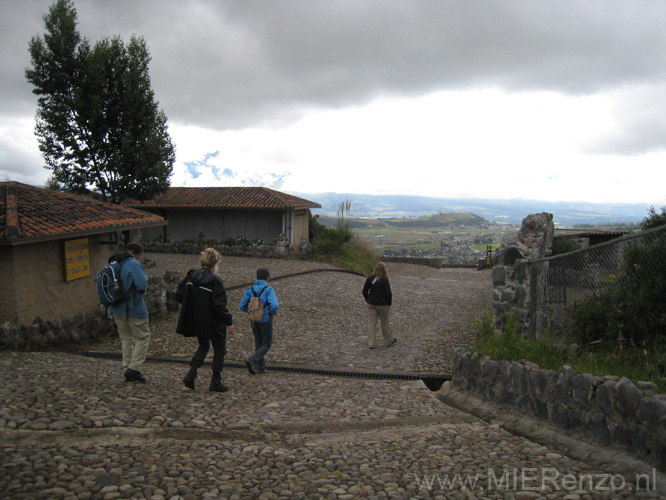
(327, 240)
(340, 247)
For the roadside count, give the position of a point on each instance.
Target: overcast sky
(557, 100)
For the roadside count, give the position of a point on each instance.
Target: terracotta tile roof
(29, 213)
(231, 198)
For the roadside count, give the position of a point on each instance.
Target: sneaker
(134, 376)
(250, 367)
(392, 342)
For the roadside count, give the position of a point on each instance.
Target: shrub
(635, 310)
(340, 247)
(564, 245)
(328, 240)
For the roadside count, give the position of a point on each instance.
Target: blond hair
(381, 271)
(209, 258)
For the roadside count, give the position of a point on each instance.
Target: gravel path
(71, 429)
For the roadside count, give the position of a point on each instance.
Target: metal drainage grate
(433, 381)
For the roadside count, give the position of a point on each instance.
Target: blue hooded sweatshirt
(267, 297)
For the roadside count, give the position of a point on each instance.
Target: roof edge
(12, 229)
(80, 233)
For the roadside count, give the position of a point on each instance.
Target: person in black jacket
(378, 296)
(204, 315)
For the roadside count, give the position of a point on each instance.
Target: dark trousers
(263, 339)
(219, 350)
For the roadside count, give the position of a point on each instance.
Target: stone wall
(608, 410)
(511, 281)
(66, 331)
(422, 261)
(279, 250)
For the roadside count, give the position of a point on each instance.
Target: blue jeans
(263, 339)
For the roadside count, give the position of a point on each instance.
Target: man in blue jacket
(131, 316)
(262, 330)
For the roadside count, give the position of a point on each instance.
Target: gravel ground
(322, 318)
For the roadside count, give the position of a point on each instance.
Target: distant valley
(453, 237)
(510, 211)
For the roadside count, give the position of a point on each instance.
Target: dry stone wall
(66, 331)
(608, 410)
(278, 250)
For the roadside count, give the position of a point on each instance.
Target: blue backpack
(109, 285)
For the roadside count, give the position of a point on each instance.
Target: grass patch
(358, 256)
(511, 346)
(637, 363)
(484, 247)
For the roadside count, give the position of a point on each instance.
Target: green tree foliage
(98, 123)
(635, 310)
(654, 219)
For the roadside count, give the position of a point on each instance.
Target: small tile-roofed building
(217, 213)
(51, 245)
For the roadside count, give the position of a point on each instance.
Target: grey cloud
(15, 165)
(247, 63)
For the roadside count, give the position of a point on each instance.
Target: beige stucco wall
(37, 285)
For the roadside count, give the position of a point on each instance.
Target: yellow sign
(77, 259)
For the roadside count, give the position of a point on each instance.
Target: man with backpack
(131, 316)
(261, 319)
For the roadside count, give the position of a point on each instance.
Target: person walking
(378, 296)
(131, 316)
(204, 315)
(263, 329)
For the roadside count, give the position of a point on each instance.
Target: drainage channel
(432, 381)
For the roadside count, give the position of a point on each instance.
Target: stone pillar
(511, 279)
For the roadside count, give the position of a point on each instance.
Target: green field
(437, 235)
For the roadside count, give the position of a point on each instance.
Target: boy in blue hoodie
(262, 330)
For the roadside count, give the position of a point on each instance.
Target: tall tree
(98, 123)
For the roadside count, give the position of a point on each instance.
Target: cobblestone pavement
(70, 427)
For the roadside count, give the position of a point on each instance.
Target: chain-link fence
(559, 283)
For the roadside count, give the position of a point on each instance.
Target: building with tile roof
(52, 244)
(217, 213)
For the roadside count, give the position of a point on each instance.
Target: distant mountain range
(511, 211)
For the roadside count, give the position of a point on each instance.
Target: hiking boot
(190, 378)
(134, 376)
(216, 384)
